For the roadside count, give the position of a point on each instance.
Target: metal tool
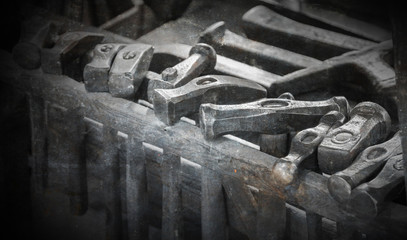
(366, 164)
(272, 115)
(265, 25)
(70, 46)
(170, 54)
(171, 104)
(303, 145)
(367, 71)
(128, 69)
(276, 145)
(96, 73)
(369, 124)
(202, 58)
(368, 199)
(263, 56)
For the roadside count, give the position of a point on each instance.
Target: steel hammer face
(303, 145)
(96, 73)
(369, 124)
(366, 164)
(172, 104)
(129, 69)
(270, 116)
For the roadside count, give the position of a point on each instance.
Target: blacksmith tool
(96, 73)
(129, 69)
(263, 56)
(369, 124)
(367, 200)
(303, 145)
(202, 59)
(366, 164)
(265, 25)
(271, 116)
(69, 46)
(172, 104)
(276, 145)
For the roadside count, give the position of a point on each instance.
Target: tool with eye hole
(271, 116)
(369, 124)
(96, 73)
(69, 46)
(202, 58)
(129, 69)
(275, 145)
(366, 164)
(172, 104)
(263, 56)
(303, 145)
(368, 199)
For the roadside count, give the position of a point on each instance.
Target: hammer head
(172, 104)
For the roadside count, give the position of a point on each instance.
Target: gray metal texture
(252, 167)
(170, 54)
(272, 115)
(171, 104)
(129, 69)
(365, 166)
(96, 73)
(368, 198)
(326, 16)
(367, 68)
(303, 145)
(202, 59)
(263, 56)
(369, 124)
(267, 26)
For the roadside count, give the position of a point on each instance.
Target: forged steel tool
(96, 73)
(265, 25)
(263, 56)
(129, 69)
(368, 199)
(172, 104)
(303, 145)
(271, 116)
(369, 124)
(202, 58)
(70, 46)
(366, 164)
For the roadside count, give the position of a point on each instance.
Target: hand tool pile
(252, 87)
(330, 136)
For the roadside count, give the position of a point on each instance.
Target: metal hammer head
(171, 104)
(271, 116)
(369, 124)
(303, 145)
